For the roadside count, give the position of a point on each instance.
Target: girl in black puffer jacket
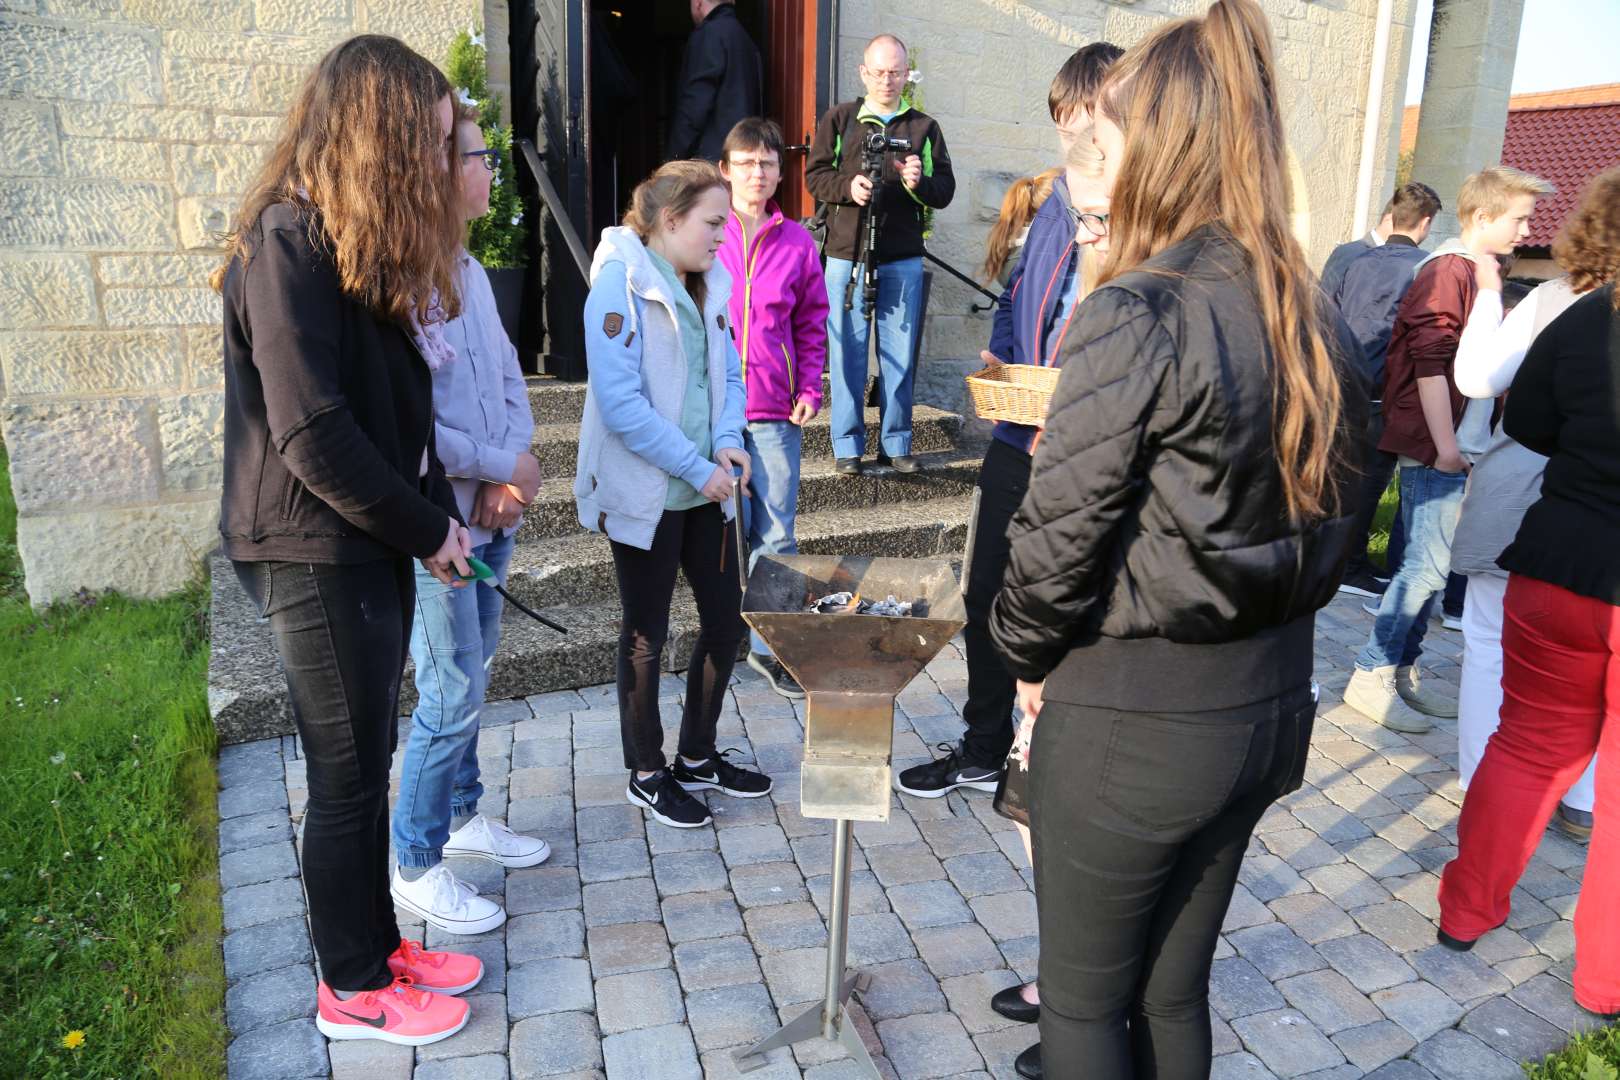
(1187, 514)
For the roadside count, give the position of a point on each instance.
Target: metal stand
(828, 1019)
(851, 668)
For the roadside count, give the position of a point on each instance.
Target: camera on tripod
(875, 150)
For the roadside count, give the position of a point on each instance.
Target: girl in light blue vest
(661, 435)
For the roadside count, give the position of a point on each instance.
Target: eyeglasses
(886, 76)
(1095, 224)
(764, 165)
(490, 158)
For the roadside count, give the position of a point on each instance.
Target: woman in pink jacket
(779, 318)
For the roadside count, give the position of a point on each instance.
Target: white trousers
(1479, 694)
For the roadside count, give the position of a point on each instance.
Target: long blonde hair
(675, 187)
(1018, 206)
(1197, 103)
(363, 144)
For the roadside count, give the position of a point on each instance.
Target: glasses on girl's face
(1095, 224)
(490, 158)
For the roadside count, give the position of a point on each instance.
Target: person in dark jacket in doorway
(1369, 292)
(1189, 511)
(912, 183)
(721, 82)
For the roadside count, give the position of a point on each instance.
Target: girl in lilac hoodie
(779, 319)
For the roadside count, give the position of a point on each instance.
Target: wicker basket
(1020, 393)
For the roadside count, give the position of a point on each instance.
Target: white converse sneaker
(441, 900)
(1374, 695)
(493, 841)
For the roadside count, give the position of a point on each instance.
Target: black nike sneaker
(667, 801)
(944, 775)
(718, 774)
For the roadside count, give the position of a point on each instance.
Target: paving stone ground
(643, 951)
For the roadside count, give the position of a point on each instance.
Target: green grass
(109, 895)
(1595, 1056)
(1378, 538)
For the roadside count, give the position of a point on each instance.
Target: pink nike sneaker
(439, 972)
(398, 1013)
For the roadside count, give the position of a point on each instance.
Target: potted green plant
(499, 238)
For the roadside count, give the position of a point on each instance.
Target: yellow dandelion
(73, 1040)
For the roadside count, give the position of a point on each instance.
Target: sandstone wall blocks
(85, 214)
(188, 429)
(246, 129)
(205, 219)
(179, 271)
(119, 121)
(299, 16)
(38, 291)
(28, 132)
(66, 364)
(204, 83)
(162, 307)
(145, 551)
(217, 168)
(215, 15)
(68, 60)
(115, 159)
(66, 455)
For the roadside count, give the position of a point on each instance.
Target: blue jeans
(899, 300)
(774, 446)
(1430, 502)
(1456, 584)
(453, 639)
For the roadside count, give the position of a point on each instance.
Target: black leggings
(698, 543)
(342, 632)
(1139, 822)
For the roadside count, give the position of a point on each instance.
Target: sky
(1562, 43)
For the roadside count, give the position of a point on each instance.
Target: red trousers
(1560, 703)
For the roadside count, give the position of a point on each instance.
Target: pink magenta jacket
(778, 313)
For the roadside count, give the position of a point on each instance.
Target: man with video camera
(876, 166)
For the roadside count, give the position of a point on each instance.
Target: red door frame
(790, 92)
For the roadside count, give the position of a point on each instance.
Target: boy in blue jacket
(1030, 320)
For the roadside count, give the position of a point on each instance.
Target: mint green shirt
(695, 422)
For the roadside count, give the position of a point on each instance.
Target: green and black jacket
(835, 160)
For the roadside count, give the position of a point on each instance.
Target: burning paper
(846, 603)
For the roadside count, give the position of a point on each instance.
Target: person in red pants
(1561, 651)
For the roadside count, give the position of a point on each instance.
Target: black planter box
(507, 285)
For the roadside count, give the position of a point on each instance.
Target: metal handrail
(554, 203)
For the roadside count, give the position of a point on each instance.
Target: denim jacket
(630, 440)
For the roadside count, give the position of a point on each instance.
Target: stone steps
(932, 430)
(946, 473)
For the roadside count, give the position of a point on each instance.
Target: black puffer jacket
(1155, 516)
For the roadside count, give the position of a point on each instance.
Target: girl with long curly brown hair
(1186, 517)
(337, 283)
(1540, 627)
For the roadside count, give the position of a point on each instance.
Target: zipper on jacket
(749, 259)
(789, 358)
(1040, 312)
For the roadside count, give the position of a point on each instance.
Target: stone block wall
(131, 128)
(986, 66)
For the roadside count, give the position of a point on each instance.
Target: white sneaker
(447, 903)
(1409, 682)
(493, 841)
(1373, 694)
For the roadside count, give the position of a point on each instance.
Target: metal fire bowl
(851, 666)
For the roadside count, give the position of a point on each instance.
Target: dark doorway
(636, 51)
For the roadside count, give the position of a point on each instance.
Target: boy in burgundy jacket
(1422, 409)
(779, 319)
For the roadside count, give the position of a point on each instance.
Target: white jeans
(1479, 695)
